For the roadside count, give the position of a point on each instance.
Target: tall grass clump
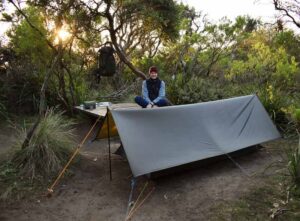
(48, 149)
(294, 165)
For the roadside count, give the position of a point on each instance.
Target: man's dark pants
(143, 103)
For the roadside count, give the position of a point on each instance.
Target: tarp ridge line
(243, 109)
(248, 117)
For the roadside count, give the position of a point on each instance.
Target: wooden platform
(102, 110)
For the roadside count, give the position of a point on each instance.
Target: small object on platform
(104, 104)
(89, 104)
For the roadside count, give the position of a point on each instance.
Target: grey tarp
(160, 138)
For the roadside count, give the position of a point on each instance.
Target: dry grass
(48, 149)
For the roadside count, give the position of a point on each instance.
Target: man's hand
(150, 105)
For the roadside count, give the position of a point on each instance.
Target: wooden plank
(124, 105)
(102, 110)
(98, 111)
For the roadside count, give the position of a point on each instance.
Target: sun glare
(63, 34)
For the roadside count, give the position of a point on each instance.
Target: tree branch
(32, 26)
(120, 53)
(286, 12)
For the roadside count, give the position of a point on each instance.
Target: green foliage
(14, 187)
(293, 114)
(6, 174)
(160, 15)
(263, 59)
(29, 60)
(265, 64)
(6, 17)
(289, 41)
(274, 101)
(184, 90)
(28, 43)
(48, 149)
(11, 183)
(216, 60)
(297, 115)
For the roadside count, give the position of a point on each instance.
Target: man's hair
(153, 69)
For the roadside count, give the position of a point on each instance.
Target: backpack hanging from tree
(106, 61)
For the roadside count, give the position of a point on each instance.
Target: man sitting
(153, 91)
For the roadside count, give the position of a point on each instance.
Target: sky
(216, 9)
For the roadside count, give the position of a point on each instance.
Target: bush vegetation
(199, 60)
(47, 152)
(48, 149)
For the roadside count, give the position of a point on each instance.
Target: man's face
(153, 75)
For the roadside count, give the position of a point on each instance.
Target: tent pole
(108, 138)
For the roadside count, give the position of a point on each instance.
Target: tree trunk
(113, 37)
(42, 104)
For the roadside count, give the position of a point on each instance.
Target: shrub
(296, 118)
(275, 102)
(48, 149)
(183, 90)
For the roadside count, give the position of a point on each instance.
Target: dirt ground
(89, 195)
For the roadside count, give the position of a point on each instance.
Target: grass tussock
(29, 170)
(294, 165)
(48, 149)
